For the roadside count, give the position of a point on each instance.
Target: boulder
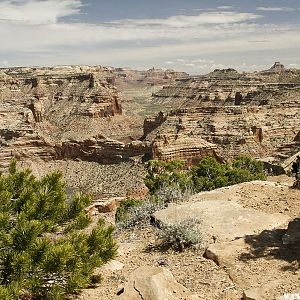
(261, 292)
(154, 283)
(221, 220)
(292, 235)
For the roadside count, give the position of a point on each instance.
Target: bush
(256, 168)
(172, 181)
(171, 174)
(173, 193)
(180, 235)
(210, 174)
(122, 210)
(139, 214)
(35, 261)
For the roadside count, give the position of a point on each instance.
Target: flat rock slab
(222, 220)
(241, 191)
(154, 283)
(260, 268)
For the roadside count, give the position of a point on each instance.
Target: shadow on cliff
(269, 245)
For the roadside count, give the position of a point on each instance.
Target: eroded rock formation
(75, 113)
(250, 113)
(41, 107)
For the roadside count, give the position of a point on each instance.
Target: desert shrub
(173, 193)
(125, 206)
(247, 163)
(180, 235)
(209, 174)
(161, 173)
(139, 214)
(172, 181)
(35, 261)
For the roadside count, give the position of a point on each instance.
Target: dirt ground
(265, 255)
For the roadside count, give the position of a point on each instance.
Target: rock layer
(251, 113)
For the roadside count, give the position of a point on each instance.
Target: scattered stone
(163, 262)
(154, 283)
(105, 205)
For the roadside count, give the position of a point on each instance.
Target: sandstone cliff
(43, 109)
(250, 113)
(73, 112)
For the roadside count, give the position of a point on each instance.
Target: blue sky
(192, 36)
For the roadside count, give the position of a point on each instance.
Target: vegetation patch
(177, 182)
(174, 182)
(43, 253)
(180, 235)
(139, 214)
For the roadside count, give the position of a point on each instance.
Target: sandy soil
(139, 246)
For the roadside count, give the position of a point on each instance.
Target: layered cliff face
(126, 77)
(42, 109)
(56, 93)
(75, 113)
(255, 114)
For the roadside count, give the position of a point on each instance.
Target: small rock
(112, 266)
(163, 262)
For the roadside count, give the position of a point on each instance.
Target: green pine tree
(35, 261)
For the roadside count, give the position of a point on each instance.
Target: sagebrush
(180, 235)
(139, 214)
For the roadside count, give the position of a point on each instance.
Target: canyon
(255, 114)
(99, 125)
(112, 115)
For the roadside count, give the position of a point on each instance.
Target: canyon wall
(41, 107)
(251, 113)
(74, 112)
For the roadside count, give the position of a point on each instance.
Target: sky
(187, 35)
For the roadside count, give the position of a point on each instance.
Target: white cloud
(225, 7)
(191, 21)
(270, 8)
(37, 11)
(170, 41)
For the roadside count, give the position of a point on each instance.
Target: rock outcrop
(101, 149)
(42, 108)
(53, 91)
(220, 220)
(181, 147)
(251, 113)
